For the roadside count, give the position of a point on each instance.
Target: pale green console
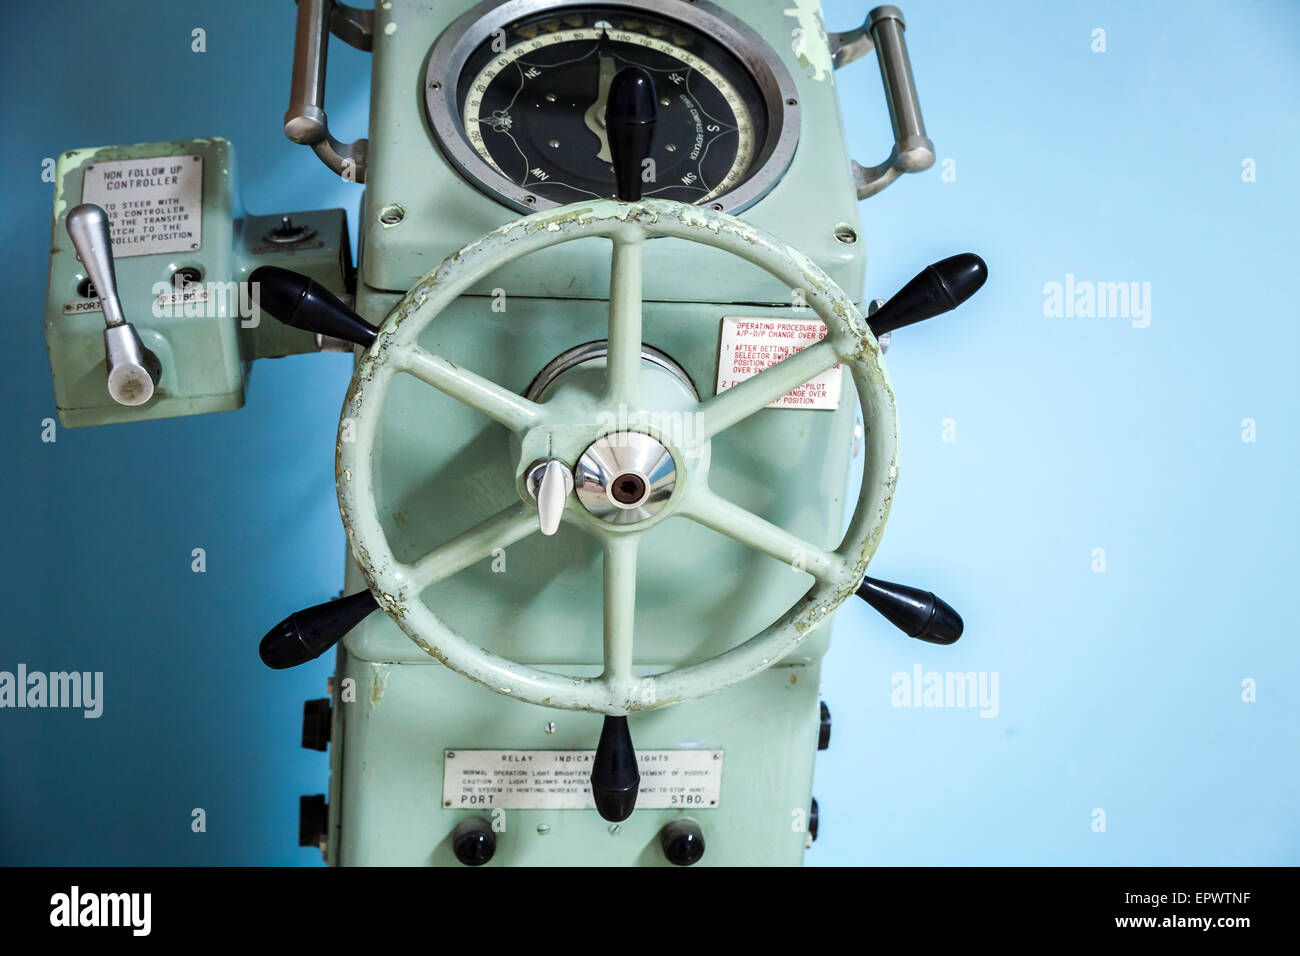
(614, 374)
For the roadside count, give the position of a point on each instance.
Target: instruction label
(153, 205)
(751, 345)
(561, 779)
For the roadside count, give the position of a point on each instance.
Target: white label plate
(561, 779)
(154, 205)
(177, 301)
(751, 345)
(78, 306)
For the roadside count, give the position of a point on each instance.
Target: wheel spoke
(514, 411)
(620, 607)
(740, 401)
(500, 531)
(749, 529)
(623, 364)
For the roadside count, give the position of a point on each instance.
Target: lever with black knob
(919, 614)
(615, 778)
(936, 289)
(631, 112)
(303, 303)
(307, 634)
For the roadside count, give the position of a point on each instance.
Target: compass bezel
(448, 56)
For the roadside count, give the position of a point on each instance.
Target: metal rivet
(543, 829)
(550, 727)
(392, 214)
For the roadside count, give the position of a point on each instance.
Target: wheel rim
(398, 586)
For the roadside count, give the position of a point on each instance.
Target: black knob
(682, 842)
(630, 115)
(316, 724)
(919, 614)
(473, 841)
(812, 820)
(307, 634)
(936, 289)
(302, 303)
(824, 731)
(614, 774)
(313, 820)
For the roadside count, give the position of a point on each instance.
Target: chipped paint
(71, 161)
(808, 40)
(378, 684)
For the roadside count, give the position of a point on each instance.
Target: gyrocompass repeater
(595, 459)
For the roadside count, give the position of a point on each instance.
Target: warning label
(751, 345)
(153, 205)
(561, 779)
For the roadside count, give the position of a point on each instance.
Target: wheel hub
(625, 477)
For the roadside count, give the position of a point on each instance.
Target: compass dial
(530, 93)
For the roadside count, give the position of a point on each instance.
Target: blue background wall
(1119, 690)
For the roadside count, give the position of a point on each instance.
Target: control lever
(936, 289)
(919, 614)
(630, 116)
(302, 303)
(307, 634)
(614, 775)
(550, 482)
(133, 371)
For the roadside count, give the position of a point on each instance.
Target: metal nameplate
(561, 779)
(153, 205)
(79, 306)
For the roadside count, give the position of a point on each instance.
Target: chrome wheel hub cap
(625, 477)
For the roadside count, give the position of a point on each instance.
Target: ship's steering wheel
(565, 435)
(557, 446)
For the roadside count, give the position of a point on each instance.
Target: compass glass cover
(532, 98)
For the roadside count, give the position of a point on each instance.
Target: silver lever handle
(133, 371)
(913, 151)
(305, 121)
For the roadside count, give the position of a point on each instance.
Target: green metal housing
(442, 466)
(206, 351)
